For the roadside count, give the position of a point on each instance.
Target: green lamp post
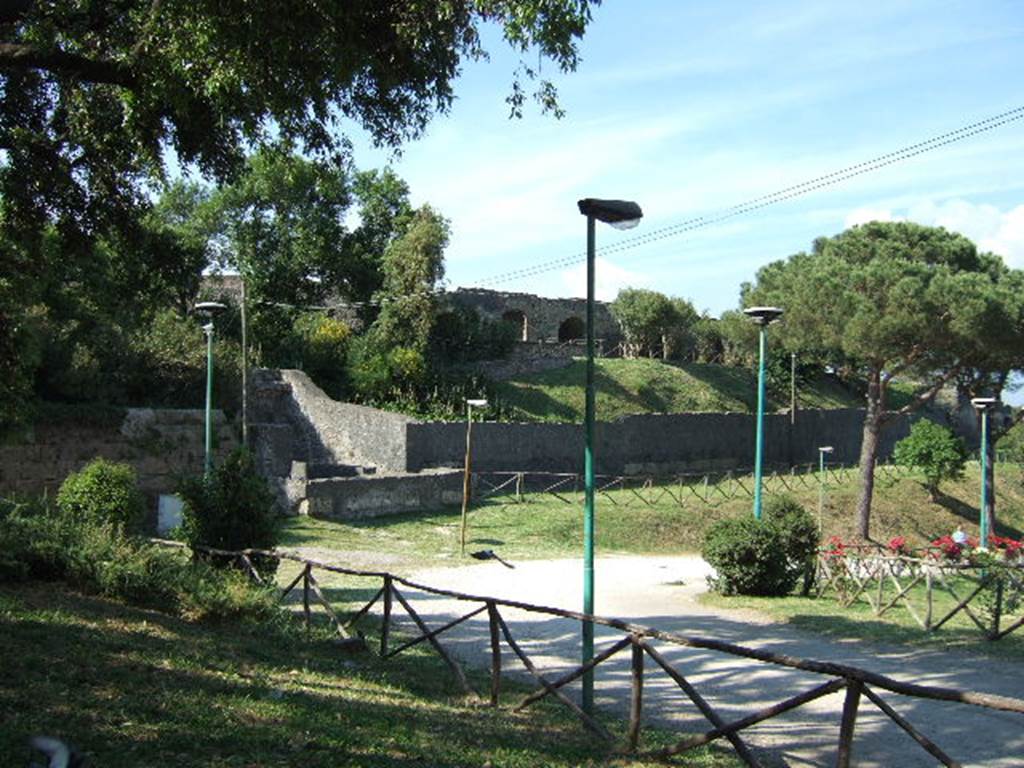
(209, 309)
(984, 405)
(762, 317)
(621, 214)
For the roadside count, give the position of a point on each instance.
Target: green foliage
(749, 558)
(653, 324)
(231, 508)
(799, 534)
(103, 493)
(766, 557)
(460, 335)
(323, 343)
(935, 451)
(893, 296)
(39, 543)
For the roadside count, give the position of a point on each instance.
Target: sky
(690, 108)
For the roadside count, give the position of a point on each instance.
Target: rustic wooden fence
(707, 489)
(991, 596)
(858, 684)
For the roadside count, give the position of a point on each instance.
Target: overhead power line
(787, 193)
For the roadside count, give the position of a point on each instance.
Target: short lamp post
(762, 317)
(470, 405)
(822, 450)
(621, 214)
(209, 310)
(984, 405)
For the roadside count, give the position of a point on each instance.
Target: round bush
(103, 492)
(749, 557)
(231, 508)
(799, 535)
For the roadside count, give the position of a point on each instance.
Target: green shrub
(231, 508)
(39, 543)
(749, 558)
(103, 492)
(799, 535)
(935, 450)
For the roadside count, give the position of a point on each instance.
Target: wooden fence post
(519, 486)
(492, 615)
(846, 729)
(636, 702)
(385, 628)
(305, 594)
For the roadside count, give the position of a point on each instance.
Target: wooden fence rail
(707, 489)
(858, 684)
(987, 595)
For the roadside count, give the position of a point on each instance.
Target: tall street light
(621, 214)
(762, 317)
(470, 405)
(209, 309)
(984, 405)
(822, 450)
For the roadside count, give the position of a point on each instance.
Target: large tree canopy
(893, 299)
(94, 92)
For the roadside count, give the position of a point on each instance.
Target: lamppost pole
(822, 450)
(588, 477)
(620, 214)
(466, 474)
(984, 404)
(209, 309)
(762, 316)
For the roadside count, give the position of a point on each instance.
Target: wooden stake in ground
(465, 480)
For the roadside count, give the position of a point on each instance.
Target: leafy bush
(748, 557)
(766, 557)
(40, 543)
(231, 508)
(103, 492)
(322, 342)
(935, 450)
(799, 535)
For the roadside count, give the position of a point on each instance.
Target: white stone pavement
(660, 592)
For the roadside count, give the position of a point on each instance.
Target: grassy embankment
(627, 387)
(135, 687)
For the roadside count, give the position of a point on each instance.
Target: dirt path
(660, 592)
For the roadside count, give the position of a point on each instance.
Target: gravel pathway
(661, 592)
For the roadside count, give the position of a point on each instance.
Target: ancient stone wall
(545, 319)
(162, 445)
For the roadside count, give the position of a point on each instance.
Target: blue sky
(689, 108)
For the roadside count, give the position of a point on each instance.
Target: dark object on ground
(489, 554)
(57, 754)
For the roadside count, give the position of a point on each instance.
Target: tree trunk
(869, 453)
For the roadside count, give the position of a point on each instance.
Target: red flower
(898, 545)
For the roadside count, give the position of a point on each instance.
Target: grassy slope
(132, 687)
(650, 386)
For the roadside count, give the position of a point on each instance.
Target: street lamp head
(621, 214)
(826, 449)
(210, 308)
(763, 315)
(477, 403)
(984, 403)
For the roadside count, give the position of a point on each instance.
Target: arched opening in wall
(571, 329)
(517, 319)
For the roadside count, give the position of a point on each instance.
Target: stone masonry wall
(543, 315)
(161, 445)
(647, 444)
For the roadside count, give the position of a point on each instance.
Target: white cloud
(864, 215)
(608, 280)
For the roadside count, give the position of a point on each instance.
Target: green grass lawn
(133, 687)
(626, 387)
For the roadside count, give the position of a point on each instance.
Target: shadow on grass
(969, 514)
